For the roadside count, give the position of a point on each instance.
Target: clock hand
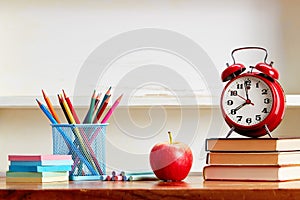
(246, 90)
(248, 101)
(241, 97)
(240, 106)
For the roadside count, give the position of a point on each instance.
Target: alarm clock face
(247, 100)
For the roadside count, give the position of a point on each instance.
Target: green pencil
(89, 115)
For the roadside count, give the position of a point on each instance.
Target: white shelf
(293, 100)
(139, 101)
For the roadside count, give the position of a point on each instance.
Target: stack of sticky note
(39, 168)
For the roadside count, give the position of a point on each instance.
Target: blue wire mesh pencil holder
(86, 144)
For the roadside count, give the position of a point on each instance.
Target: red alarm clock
(253, 102)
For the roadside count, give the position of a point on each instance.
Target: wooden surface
(192, 188)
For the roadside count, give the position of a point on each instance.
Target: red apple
(171, 161)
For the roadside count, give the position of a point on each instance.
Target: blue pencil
(66, 138)
(46, 112)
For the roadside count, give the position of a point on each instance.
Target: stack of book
(39, 168)
(252, 159)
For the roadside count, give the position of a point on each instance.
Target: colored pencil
(125, 178)
(101, 110)
(83, 141)
(63, 108)
(97, 102)
(76, 142)
(46, 112)
(65, 137)
(114, 173)
(111, 110)
(67, 109)
(117, 178)
(140, 173)
(88, 144)
(50, 107)
(92, 107)
(97, 105)
(107, 94)
(105, 178)
(71, 108)
(84, 137)
(89, 115)
(145, 177)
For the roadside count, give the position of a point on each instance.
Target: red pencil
(71, 108)
(101, 110)
(107, 94)
(98, 98)
(97, 106)
(50, 107)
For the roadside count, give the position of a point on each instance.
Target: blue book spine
(15, 168)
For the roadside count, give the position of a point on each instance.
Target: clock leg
(268, 131)
(229, 133)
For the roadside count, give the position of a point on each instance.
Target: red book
(38, 157)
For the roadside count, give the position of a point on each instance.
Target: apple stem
(170, 137)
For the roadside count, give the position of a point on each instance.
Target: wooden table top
(191, 188)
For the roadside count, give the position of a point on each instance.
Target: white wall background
(42, 41)
(54, 38)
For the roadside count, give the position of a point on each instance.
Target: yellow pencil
(83, 141)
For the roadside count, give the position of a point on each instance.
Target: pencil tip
(99, 96)
(44, 94)
(108, 91)
(120, 97)
(38, 101)
(64, 93)
(107, 99)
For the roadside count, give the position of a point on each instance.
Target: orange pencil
(71, 108)
(101, 110)
(50, 107)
